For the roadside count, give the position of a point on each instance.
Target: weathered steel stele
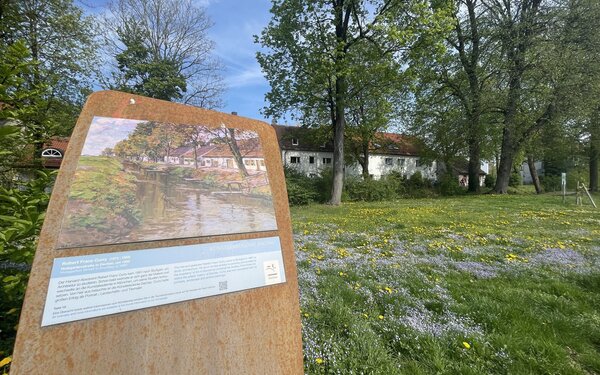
(167, 248)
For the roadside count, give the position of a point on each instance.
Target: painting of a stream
(141, 181)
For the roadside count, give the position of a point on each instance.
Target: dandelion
(466, 345)
(319, 361)
(380, 317)
(5, 361)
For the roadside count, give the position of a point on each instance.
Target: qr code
(222, 285)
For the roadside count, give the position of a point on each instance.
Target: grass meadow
(469, 285)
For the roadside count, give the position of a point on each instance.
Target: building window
(311, 159)
(323, 145)
(401, 162)
(326, 160)
(388, 161)
(418, 163)
(295, 142)
(295, 159)
(51, 153)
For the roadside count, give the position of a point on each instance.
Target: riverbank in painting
(128, 189)
(118, 202)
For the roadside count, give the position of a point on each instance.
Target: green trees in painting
(156, 141)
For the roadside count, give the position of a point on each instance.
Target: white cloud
(250, 76)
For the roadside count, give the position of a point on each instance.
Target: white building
(526, 173)
(300, 150)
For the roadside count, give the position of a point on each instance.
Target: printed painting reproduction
(142, 181)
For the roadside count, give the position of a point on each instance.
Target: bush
(322, 185)
(448, 185)
(416, 181)
(515, 179)
(550, 183)
(300, 188)
(369, 190)
(22, 213)
(490, 181)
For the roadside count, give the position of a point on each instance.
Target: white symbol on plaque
(272, 273)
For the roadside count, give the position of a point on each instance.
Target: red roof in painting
(249, 148)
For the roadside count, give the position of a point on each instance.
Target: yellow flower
(366, 316)
(380, 317)
(306, 315)
(5, 361)
(466, 345)
(319, 361)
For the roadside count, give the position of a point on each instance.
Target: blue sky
(235, 23)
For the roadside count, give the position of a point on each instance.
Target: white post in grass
(563, 184)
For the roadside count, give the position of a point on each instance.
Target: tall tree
(372, 103)
(530, 94)
(143, 74)
(312, 57)
(162, 50)
(61, 40)
(468, 83)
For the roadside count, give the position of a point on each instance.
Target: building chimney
(234, 113)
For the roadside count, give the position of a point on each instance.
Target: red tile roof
(57, 143)
(308, 140)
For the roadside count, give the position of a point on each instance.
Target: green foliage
(516, 179)
(20, 105)
(416, 181)
(490, 181)
(106, 195)
(324, 70)
(60, 42)
(300, 188)
(144, 74)
(370, 190)
(323, 185)
(551, 182)
(448, 185)
(162, 50)
(22, 213)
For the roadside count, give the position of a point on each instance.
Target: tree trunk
(365, 162)
(474, 164)
(507, 155)
(533, 173)
(235, 150)
(338, 143)
(340, 22)
(195, 156)
(594, 155)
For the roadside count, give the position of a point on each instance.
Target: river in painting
(173, 208)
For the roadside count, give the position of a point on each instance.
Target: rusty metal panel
(254, 331)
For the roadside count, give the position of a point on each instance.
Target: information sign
(167, 247)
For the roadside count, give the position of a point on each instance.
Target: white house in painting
(219, 156)
(397, 153)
